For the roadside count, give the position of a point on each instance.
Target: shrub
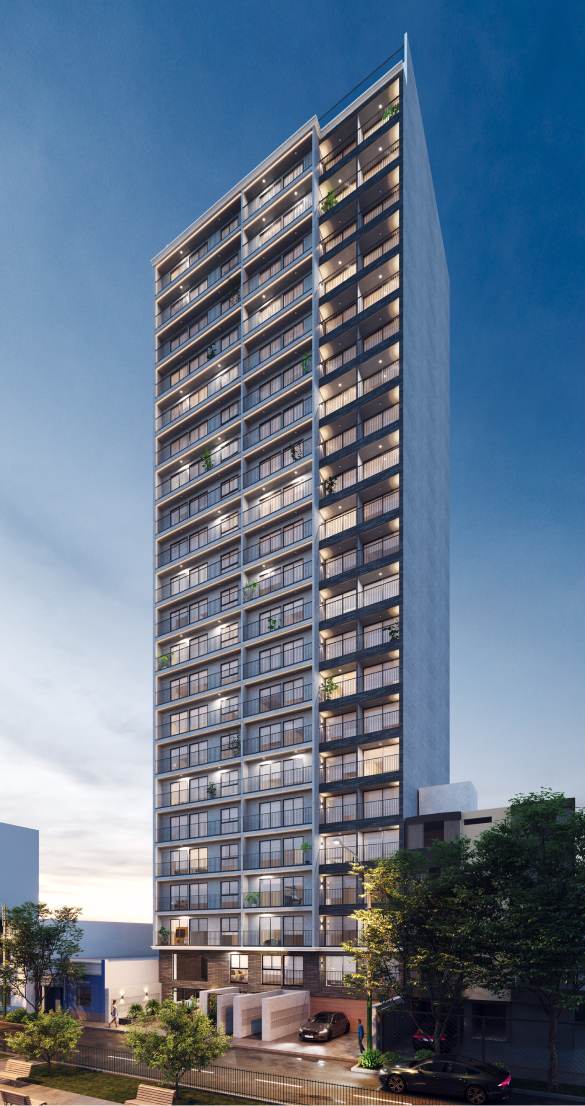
(46, 1037)
(424, 1054)
(19, 1015)
(212, 1008)
(134, 1011)
(152, 1007)
(389, 1059)
(370, 1058)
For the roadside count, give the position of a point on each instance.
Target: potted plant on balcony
(234, 745)
(212, 790)
(328, 687)
(389, 111)
(295, 451)
(252, 898)
(210, 352)
(251, 589)
(329, 485)
(163, 935)
(164, 660)
(206, 459)
(329, 202)
(306, 362)
(273, 623)
(305, 849)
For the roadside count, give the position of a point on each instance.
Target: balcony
(200, 539)
(196, 399)
(358, 266)
(358, 812)
(195, 684)
(196, 256)
(335, 938)
(358, 474)
(278, 384)
(203, 323)
(358, 641)
(369, 596)
(340, 687)
(276, 187)
(278, 619)
(196, 867)
(274, 778)
(278, 819)
(216, 753)
(335, 238)
(360, 432)
(334, 321)
(281, 461)
(279, 344)
(287, 656)
(354, 561)
(191, 578)
(277, 226)
(187, 298)
(362, 388)
(197, 505)
(191, 471)
(278, 940)
(197, 648)
(352, 770)
(381, 117)
(371, 511)
(211, 902)
(280, 302)
(345, 896)
(277, 698)
(266, 743)
(223, 419)
(279, 539)
(203, 938)
(375, 725)
(195, 792)
(365, 854)
(188, 722)
(281, 420)
(369, 344)
(278, 501)
(335, 194)
(284, 261)
(282, 858)
(185, 618)
(285, 577)
(263, 900)
(214, 828)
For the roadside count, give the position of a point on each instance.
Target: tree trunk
(437, 1032)
(553, 1056)
(369, 1035)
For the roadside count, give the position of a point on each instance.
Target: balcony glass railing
(278, 858)
(284, 577)
(368, 596)
(278, 819)
(279, 265)
(276, 698)
(278, 940)
(277, 739)
(373, 509)
(183, 831)
(188, 369)
(202, 466)
(262, 900)
(362, 345)
(278, 344)
(191, 402)
(278, 659)
(269, 780)
(279, 461)
(172, 310)
(270, 232)
(196, 684)
(185, 617)
(195, 256)
(278, 501)
(376, 119)
(354, 812)
(349, 770)
(278, 618)
(189, 721)
(209, 902)
(214, 753)
(341, 481)
(333, 322)
(281, 420)
(346, 729)
(197, 647)
(200, 866)
(278, 539)
(198, 326)
(172, 795)
(374, 637)
(363, 388)
(277, 186)
(191, 543)
(340, 687)
(194, 577)
(365, 854)
(194, 434)
(336, 193)
(279, 383)
(278, 304)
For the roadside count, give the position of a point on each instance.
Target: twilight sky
(120, 123)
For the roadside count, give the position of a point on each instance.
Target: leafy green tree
(46, 1037)
(184, 1039)
(425, 922)
(376, 974)
(531, 871)
(40, 947)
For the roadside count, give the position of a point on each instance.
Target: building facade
(19, 865)
(301, 544)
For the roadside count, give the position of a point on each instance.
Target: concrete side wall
(19, 865)
(446, 797)
(248, 1011)
(112, 939)
(131, 981)
(204, 995)
(282, 1014)
(425, 457)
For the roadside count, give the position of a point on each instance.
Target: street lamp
(369, 996)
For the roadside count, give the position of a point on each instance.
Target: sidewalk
(53, 1096)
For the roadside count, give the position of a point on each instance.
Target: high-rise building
(301, 533)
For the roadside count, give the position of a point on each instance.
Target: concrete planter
(367, 1077)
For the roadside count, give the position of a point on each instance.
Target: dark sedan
(470, 1080)
(323, 1026)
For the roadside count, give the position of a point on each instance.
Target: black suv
(470, 1080)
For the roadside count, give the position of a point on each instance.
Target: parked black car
(323, 1026)
(471, 1080)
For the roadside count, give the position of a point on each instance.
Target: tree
(184, 1039)
(40, 947)
(375, 972)
(531, 868)
(46, 1037)
(425, 921)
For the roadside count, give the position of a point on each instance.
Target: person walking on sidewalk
(113, 1015)
(360, 1035)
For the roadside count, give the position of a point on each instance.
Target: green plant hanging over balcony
(328, 687)
(206, 459)
(306, 363)
(211, 790)
(329, 485)
(329, 202)
(211, 351)
(273, 623)
(389, 111)
(252, 898)
(164, 660)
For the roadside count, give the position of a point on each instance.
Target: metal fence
(263, 1086)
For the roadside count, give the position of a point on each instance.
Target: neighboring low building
(19, 865)
(117, 963)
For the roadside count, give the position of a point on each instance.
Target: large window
(293, 971)
(272, 970)
(238, 967)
